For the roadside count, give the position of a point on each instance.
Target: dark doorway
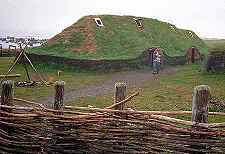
(151, 56)
(150, 52)
(192, 55)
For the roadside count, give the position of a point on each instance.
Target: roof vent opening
(191, 34)
(139, 23)
(173, 28)
(98, 22)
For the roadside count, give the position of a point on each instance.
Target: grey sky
(45, 18)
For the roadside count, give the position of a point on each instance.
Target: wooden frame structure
(22, 56)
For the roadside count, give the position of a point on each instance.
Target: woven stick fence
(37, 129)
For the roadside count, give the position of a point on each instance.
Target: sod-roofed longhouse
(111, 37)
(215, 61)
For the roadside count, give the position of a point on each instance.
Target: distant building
(3, 39)
(10, 39)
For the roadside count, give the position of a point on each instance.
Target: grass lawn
(74, 79)
(165, 93)
(216, 45)
(168, 93)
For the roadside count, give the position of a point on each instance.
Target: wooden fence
(8, 52)
(33, 128)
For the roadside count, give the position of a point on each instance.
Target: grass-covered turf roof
(119, 39)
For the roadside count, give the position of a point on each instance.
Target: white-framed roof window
(138, 22)
(99, 22)
(191, 34)
(172, 27)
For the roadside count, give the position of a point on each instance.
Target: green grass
(168, 93)
(217, 45)
(120, 39)
(61, 47)
(74, 78)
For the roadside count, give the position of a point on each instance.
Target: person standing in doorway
(156, 61)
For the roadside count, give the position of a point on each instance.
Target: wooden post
(59, 94)
(7, 93)
(200, 101)
(1, 51)
(9, 51)
(59, 73)
(120, 94)
(58, 104)
(26, 69)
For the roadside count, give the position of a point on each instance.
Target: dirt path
(134, 79)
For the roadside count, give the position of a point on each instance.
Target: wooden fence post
(1, 50)
(7, 94)
(201, 97)
(200, 101)
(59, 94)
(58, 105)
(120, 94)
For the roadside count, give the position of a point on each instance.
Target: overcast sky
(45, 18)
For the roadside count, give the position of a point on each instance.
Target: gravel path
(133, 79)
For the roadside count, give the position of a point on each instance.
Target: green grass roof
(119, 39)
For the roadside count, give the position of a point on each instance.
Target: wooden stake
(120, 95)
(200, 101)
(7, 93)
(59, 94)
(1, 51)
(26, 69)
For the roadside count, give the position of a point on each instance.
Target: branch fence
(34, 128)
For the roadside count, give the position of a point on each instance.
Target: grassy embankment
(119, 39)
